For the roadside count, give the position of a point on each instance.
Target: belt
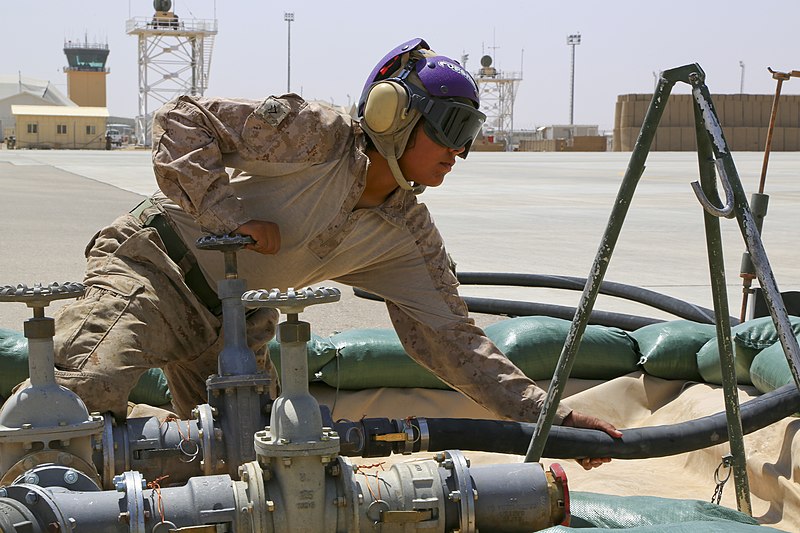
(151, 216)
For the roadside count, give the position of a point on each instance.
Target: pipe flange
(205, 422)
(109, 447)
(251, 494)
(266, 446)
(56, 459)
(292, 301)
(41, 295)
(216, 383)
(343, 474)
(465, 493)
(55, 475)
(26, 432)
(39, 501)
(224, 243)
(132, 484)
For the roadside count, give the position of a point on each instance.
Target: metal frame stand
(712, 151)
(758, 200)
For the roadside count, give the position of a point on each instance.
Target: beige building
(20, 90)
(60, 126)
(744, 119)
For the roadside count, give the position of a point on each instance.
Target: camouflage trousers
(137, 314)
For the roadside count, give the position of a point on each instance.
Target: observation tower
(497, 91)
(174, 59)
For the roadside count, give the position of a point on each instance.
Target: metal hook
(726, 210)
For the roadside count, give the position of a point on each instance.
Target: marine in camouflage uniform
(325, 198)
(304, 167)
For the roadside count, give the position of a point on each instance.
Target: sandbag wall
(744, 119)
(373, 358)
(151, 389)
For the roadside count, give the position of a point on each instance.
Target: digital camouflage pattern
(223, 162)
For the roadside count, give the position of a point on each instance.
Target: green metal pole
(716, 266)
(752, 237)
(627, 188)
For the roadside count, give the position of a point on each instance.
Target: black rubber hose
(491, 306)
(653, 299)
(638, 443)
(626, 322)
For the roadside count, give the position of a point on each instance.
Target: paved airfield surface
(541, 213)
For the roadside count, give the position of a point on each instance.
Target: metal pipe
(438, 495)
(236, 357)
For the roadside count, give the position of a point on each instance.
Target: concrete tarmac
(542, 213)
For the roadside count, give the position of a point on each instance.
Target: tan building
(60, 126)
(744, 119)
(21, 90)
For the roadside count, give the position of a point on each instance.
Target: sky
(335, 44)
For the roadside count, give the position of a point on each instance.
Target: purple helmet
(437, 82)
(451, 116)
(434, 87)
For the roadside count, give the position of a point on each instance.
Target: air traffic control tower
(174, 59)
(86, 73)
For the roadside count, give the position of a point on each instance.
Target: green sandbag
(319, 350)
(370, 358)
(13, 360)
(749, 338)
(651, 514)
(669, 349)
(770, 370)
(151, 389)
(534, 344)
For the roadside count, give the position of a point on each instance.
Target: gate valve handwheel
(228, 244)
(292, 301)
(40, 296)
(224, 243)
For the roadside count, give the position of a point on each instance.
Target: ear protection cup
(385, 107)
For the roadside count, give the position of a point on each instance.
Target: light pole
(573, 41)
(289, 18)
(741, 83)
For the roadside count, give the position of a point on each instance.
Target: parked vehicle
(115, 136)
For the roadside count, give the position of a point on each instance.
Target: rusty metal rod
(759, 201)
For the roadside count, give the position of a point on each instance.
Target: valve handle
(224, 243)
(292, 301)
(41, 295)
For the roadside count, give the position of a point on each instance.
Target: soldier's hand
(266, 234)
(579, 420)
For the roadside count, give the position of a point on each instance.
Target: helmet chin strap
(400, 179)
